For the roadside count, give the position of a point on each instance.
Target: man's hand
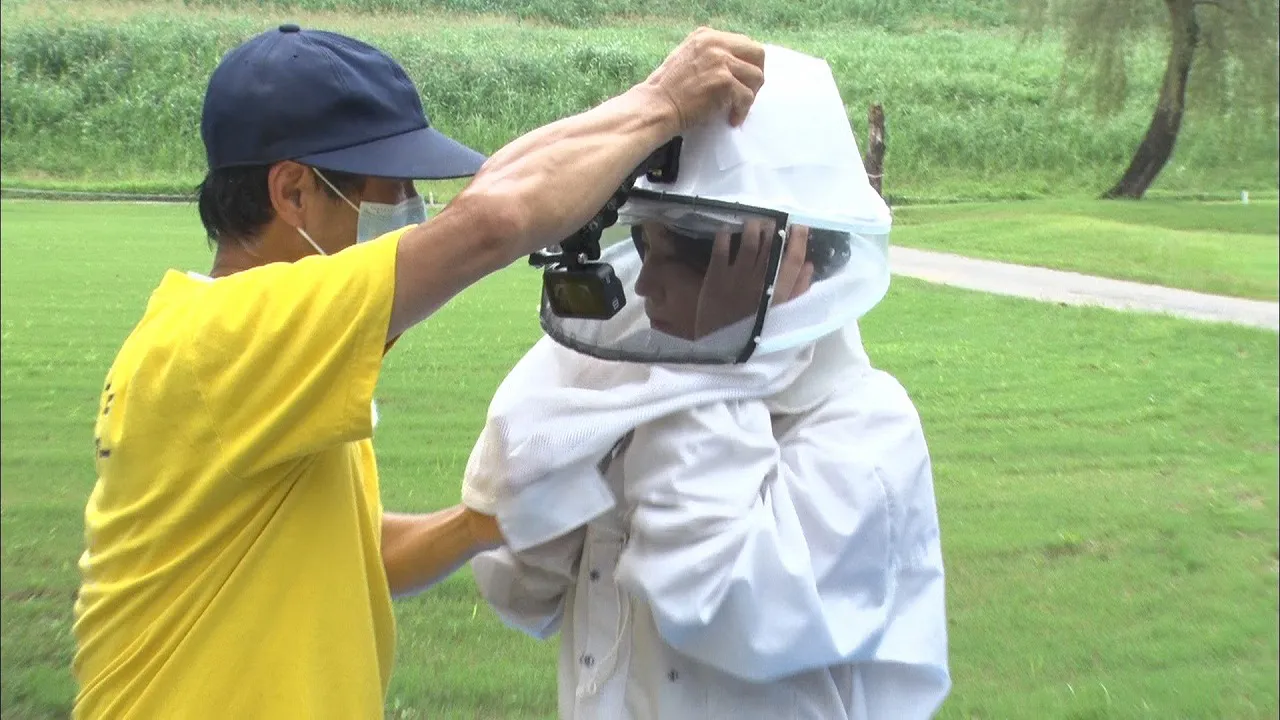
(484, 530)
(709, 72)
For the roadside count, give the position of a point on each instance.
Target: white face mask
(378, 219)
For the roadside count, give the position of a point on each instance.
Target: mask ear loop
(336, 190)
(325, 180)
(307, 237)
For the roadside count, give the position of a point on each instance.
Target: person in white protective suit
(717, 501)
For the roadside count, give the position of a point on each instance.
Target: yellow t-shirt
(233, 563)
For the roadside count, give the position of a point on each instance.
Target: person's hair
(235, 204)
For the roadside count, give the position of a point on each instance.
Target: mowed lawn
(1226, 248)
(1107, 482)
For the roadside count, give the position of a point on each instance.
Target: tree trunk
(875, 147)
(1157, 146)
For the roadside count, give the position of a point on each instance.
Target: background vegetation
(108, 95)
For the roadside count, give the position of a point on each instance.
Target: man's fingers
(711, 72)
(743, 48)
(737, 44)
(745, 85)
(740, 100)
(749, 75)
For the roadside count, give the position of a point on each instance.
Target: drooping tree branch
(1157, 146)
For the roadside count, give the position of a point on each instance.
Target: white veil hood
(795, 152)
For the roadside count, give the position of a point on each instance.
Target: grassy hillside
(109, 94)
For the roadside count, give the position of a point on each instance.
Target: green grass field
(107, 94)
(1106, 481)
(1223, 248)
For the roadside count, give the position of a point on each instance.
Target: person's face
(303, 201)
(332, 222)
(669, 285)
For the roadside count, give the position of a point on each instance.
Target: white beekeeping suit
(729, 519)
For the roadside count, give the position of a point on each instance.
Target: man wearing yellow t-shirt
(238, 562)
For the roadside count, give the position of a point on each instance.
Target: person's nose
(647, 283)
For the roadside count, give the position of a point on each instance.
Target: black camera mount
(574, 283)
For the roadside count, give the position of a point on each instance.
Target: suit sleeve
(528, 589)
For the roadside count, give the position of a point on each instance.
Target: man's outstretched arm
(548, 183)
(420, 550)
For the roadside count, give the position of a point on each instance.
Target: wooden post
(874, 160)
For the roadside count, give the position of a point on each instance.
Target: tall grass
(971, 113)
(891, 14)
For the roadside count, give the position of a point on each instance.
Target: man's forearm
(557, 177)
(532, 193)
(420, 550)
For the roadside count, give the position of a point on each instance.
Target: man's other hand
(711, 72)
(484, 530)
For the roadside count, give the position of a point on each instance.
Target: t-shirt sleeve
(287, 355)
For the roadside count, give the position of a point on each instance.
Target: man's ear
(289, 184)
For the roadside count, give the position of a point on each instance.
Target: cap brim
(424, 154)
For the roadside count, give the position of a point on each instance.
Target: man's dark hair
(235, 205)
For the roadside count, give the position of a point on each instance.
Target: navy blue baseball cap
(325, 100)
